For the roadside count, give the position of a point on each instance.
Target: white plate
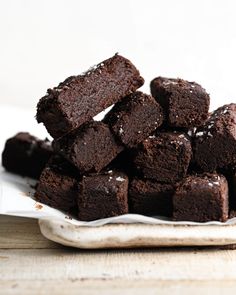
(136, 235)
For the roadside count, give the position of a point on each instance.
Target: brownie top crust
(212, 180)
(33, 141)
(164, 156)
(108, 179)
(185, 103)
(220, 121)
(134, 118)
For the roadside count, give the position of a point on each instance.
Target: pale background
(43, 42)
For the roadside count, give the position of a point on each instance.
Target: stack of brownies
(157, 155)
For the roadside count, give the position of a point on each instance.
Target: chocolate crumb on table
(215, 141)
(201, 198)
(103, 195)
(90, 148)
(164, 157)
(38, 206)
(185, 104)
(26, 155)
(58, 185)
(151, 198)
(79, 98)
(134, 118)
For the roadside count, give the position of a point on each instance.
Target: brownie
(79, 98)
(58, 185)
(201, 198)
(230, 174)
(134, 118)
(150, 198)
(26, 155)
(103, 195)
(185, 104)
(90, 147)
(164, 156)
(215, 142)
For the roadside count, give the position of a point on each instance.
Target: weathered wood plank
(74, 264)
(36, 266)
(117, 287)
(22, 233)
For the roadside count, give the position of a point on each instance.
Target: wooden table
(30, 264)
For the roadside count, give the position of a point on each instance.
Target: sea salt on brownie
(134, 118)
(164, 156)
(201, 198)
(79, 98)
(103, 195)
(185, 104)
(215, 142)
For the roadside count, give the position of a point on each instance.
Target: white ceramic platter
(136, 235)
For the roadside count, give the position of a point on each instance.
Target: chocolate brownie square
(201, 198)
(79, 98)
(90, 147)
(164, 156)
(103, 195)
(185, 104)
(58, 185)
(134, 118)
(26, 155)
(215, 142)
(151, 198)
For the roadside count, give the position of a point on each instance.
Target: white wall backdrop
(43, 42)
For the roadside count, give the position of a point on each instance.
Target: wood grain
(117, 287)
(22, 233)
(58, 264)
(30, 264)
